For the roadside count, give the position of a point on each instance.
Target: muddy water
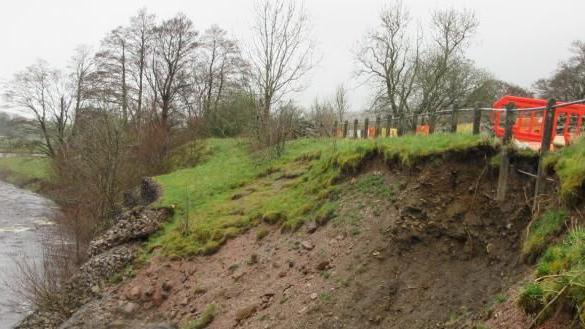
(23, 216)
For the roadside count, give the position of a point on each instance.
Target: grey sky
(518, 40)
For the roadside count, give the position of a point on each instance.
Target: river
(23, 216)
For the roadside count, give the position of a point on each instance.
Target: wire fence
(541, 125)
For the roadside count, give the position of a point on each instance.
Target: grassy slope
(569, 165)
(560, 273)
(234, 190)
(25, 171)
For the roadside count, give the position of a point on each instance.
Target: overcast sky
(518, 40)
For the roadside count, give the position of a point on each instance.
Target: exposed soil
(436, 254)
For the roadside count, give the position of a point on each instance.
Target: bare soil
(439, 253)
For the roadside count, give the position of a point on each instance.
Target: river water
(23, 216)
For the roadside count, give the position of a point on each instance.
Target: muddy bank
(436, 252)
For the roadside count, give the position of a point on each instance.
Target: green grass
(204, 319)
(541, 233)
(569, 165)
(234, 189)
(560, 278)
(374, 184)
(25, 171)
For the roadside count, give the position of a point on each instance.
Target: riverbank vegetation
(29, 172)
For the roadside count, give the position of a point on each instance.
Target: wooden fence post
(335, 129)
(547, 134)
(476, 119)
(388, 125)
(345, 124)
(454, 119)
(366, 126)
(355, 127)
(378, 126)
(505, 154)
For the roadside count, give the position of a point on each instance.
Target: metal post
(355, 127)
(345, 124)
(378, 126)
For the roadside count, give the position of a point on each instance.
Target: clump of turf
(569, 165)
(205, 319)
(541, 233)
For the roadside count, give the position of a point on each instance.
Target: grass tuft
(561, 278)
(569, 165)
(541, 233)
(204, 319)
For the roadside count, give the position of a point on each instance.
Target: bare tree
(81, 69)
(389, 60)
(218, 71)
(452, 32)
(223, 63)
(340, 102)
(112, 70)
(281, 51)
(139, 34)
(174, 43)
(568, 82)
(43, 92)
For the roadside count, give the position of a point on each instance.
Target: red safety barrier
(529, 125)
(423, 130)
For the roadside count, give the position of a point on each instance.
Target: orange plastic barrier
(529, 125)
(372, 132)
(423, 130)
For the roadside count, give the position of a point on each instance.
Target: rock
(314, 296)
(282, 274)
(135, 293)
(166, 286)
(132, 225)
(307, 245)
(95, 289)
(129, 308)
(312, 227)
(323, 265)
(246, 313)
